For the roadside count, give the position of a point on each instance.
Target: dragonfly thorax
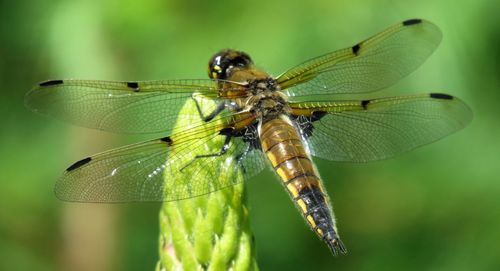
(266, 85)
(265, 100)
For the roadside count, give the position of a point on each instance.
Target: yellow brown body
(256, 92)
(290, 159)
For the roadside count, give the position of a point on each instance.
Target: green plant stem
(210, 232)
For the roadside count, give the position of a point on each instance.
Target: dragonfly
(245, 120)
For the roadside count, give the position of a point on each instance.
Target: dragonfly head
(224, 63)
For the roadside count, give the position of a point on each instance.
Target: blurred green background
(436, 208)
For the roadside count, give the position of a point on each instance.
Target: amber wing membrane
(371, 65)
(367, 130)
(124, 107)
(164, 169)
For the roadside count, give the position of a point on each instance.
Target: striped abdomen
(284, 148)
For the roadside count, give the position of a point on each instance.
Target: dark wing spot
(51, 83)
(365, 103)
(133, 85)
(317, 115)
(79, 164)
(412, 22)
(227, 131)
(355, 49)
(441, 96)
(167, 140)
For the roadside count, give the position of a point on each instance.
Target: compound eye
(242, 60)
(239, 62)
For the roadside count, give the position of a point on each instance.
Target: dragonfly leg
(223, 150)
(240, 157)
(210, 116)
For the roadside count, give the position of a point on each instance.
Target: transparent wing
(362, 131)
(373, 64)
(163, 170)
(125, 107)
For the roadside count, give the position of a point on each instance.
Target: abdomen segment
(284, 148)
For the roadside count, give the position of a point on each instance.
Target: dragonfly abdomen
(285, 150)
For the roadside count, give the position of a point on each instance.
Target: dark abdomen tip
(412, 22)
(79, 164)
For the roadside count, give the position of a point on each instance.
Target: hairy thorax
(266, 101)
(263, 95)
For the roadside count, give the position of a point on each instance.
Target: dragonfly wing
(163, 170)
(367, 130)
(125, 107)
(371, 65)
